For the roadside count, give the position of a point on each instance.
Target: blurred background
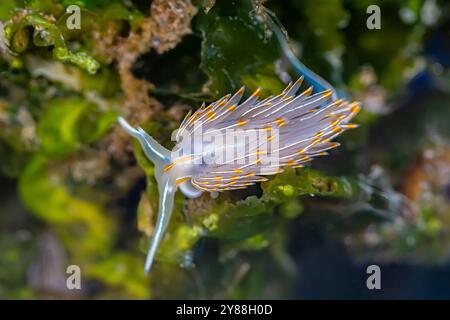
(76, 190)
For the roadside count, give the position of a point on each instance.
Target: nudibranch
(296, 127)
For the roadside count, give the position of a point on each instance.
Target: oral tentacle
(167, 191)
(155, 152)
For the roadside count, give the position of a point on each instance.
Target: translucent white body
(302, 125)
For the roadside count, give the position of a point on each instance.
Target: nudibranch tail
(312, 78)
